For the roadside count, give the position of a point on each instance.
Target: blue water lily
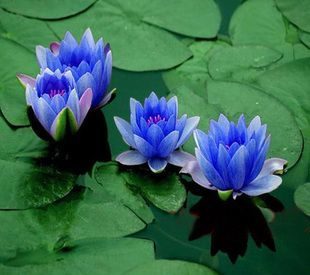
(231, 158)
(90, 64)
(57, 102)
(155, 133)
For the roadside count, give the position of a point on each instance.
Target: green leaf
(302, 198)
(93, 256)
(34, 32)
(112, 183)
(290, 84)
(171, 267)
(24, 182)
(236, 99)
(257, 22)
(52, 9)
(12, 95)
(165, 191)
(305, 38)
(69, 219)
(136, 44)
(197, 18)
(241, 63)
(193, 73)
(297, 11)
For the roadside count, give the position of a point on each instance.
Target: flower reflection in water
(230, 222)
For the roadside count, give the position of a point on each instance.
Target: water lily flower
(231, 158)
(90, 64)
(155, 133)
(57, 103)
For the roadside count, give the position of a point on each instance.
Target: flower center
(154, 119)
(54, 92)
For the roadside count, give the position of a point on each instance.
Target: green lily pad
(302, 198)
(52, 9)
(112, 183)
(24, 182)
(290, 84)
(301, 51)
(171, 267)
(236, 99)
(194, 72)
(138, 30)
(257, 22)
(66, 220)
(297, 11)
(305, 38)
(165, 191)
(12, 94)
(34, 32)
(241, 63)
(94, 256)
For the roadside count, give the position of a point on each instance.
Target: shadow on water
(231, 222)
(78, 153)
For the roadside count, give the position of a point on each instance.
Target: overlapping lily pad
(12, 95)
(290, 84)
(138, 30)
(33, 32)
(53, 9)
(94, 256)
(297, 11)
(164, 191)
(112, 183)
(25, 183)
(241, 63)
(302, 198)
(159, 267)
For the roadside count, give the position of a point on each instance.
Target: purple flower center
(155, 119)
(54, 92)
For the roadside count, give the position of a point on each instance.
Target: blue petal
(83, 68)
(224, 123)
(254, 125)
(260, 136)
(143, 127)
(260, 159)
(180, 158)
(169, 125)
(73, 104)
(157, 165)
(41, 56)
(222, 163)
(210, 172)
(236, 169)
(131, 157)
(135, 128)
(201, 140)
(172, 106)
(69, 38)
(180, 124)
(44, 113)
(154, 135)
(242, 131)
(58, 103)
(151, 104)
(65, 52)
(262, 185)
(272, 166)
(168, 144)
(88, 38)
(86, 81)
(52, 61)
(144, 147)
(196, 173)
(190, 125)
(125, 129)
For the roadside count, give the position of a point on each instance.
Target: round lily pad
(302, 198)
(52, 9)
(297, 11)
